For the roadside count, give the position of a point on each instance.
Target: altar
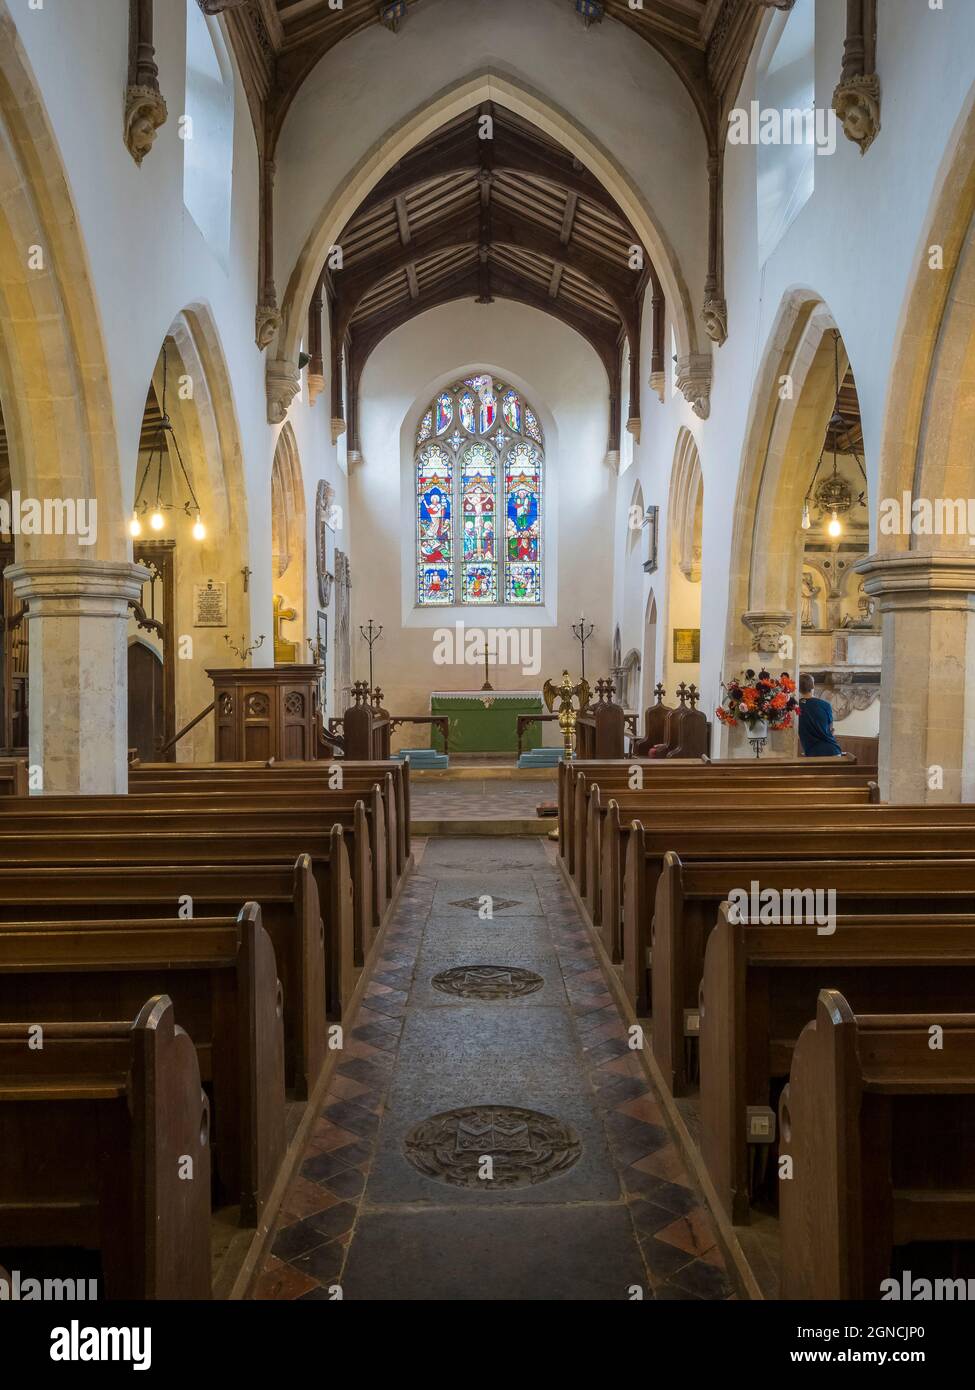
(476, 727)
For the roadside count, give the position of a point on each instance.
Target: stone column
(927, 684)
(78, 612)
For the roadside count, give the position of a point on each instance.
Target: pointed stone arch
(454, 101)
(289, 532)
(686, 507)
(925, 584)
(59, 417)
(791, 407)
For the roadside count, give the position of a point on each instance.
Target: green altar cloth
(474, 729)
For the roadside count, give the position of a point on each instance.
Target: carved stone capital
(715, 314)
(612, 460)
(145, 112)
(856, 102)
(283, 384)
(633, 428)
(338, 428)
(768, 628)
(354, 459)
(316, 385)
(267, 321)
(694, 381)
(922, 582)
(658, 384)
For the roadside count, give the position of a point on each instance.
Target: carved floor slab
(493, 1146)
(488, 981)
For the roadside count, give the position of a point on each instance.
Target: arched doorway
(649, 664)
(685, 515)
(288, 543)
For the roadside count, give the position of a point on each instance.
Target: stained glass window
(522, 492)
(434, 489)
(467, 411)
(493, 484)
(445, 413)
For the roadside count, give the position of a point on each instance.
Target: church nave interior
(487, 775)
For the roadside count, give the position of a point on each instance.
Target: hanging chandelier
(164, 441)
(834, 495)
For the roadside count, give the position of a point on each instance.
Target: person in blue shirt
(816, 723)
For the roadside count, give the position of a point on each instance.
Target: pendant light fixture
(165, 442)
(834, 494)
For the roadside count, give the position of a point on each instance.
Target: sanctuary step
(423, 758)
(541, 757)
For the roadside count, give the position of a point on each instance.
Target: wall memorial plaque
(210, 604)
(687, 645)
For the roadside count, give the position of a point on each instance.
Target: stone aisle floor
(490, 798)
(401, 1197)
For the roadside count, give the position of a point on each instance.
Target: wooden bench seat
(290, 913)
(878, 1126)
(859, 868)
(760, 988)
(601, 854)
(140, 844)
(696, 778)
(362, 818)
(222, 978)
(98, 1126)
(354, 776)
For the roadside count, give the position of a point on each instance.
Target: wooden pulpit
(271, 712)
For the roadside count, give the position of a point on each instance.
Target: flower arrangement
(759, 699)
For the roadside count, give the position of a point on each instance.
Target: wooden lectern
(270, 712)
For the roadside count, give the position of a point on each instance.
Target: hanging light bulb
(199, 530)
(834, 528)
(157, 521)
(806, 523)
(135, 526)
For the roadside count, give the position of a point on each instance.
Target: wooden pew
(857, 867)
(355, 776)
(760, 988)
(97, 1127)
(607, 825)
(362, 816)
(13, 777)
(240, 849)
(222, 977)
(691, 772)
(878, 1126)
(290, 914)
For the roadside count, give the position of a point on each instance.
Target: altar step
(423, 759)
(540, 757)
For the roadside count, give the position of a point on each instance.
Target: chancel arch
(596, 173)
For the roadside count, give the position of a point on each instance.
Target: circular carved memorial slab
(525, 1147)
(488, 981)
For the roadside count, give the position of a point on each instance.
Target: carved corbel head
(715, 315)
(283, 384)
(694, 382)
(267, 321)
(145, 112)
(856, 102)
